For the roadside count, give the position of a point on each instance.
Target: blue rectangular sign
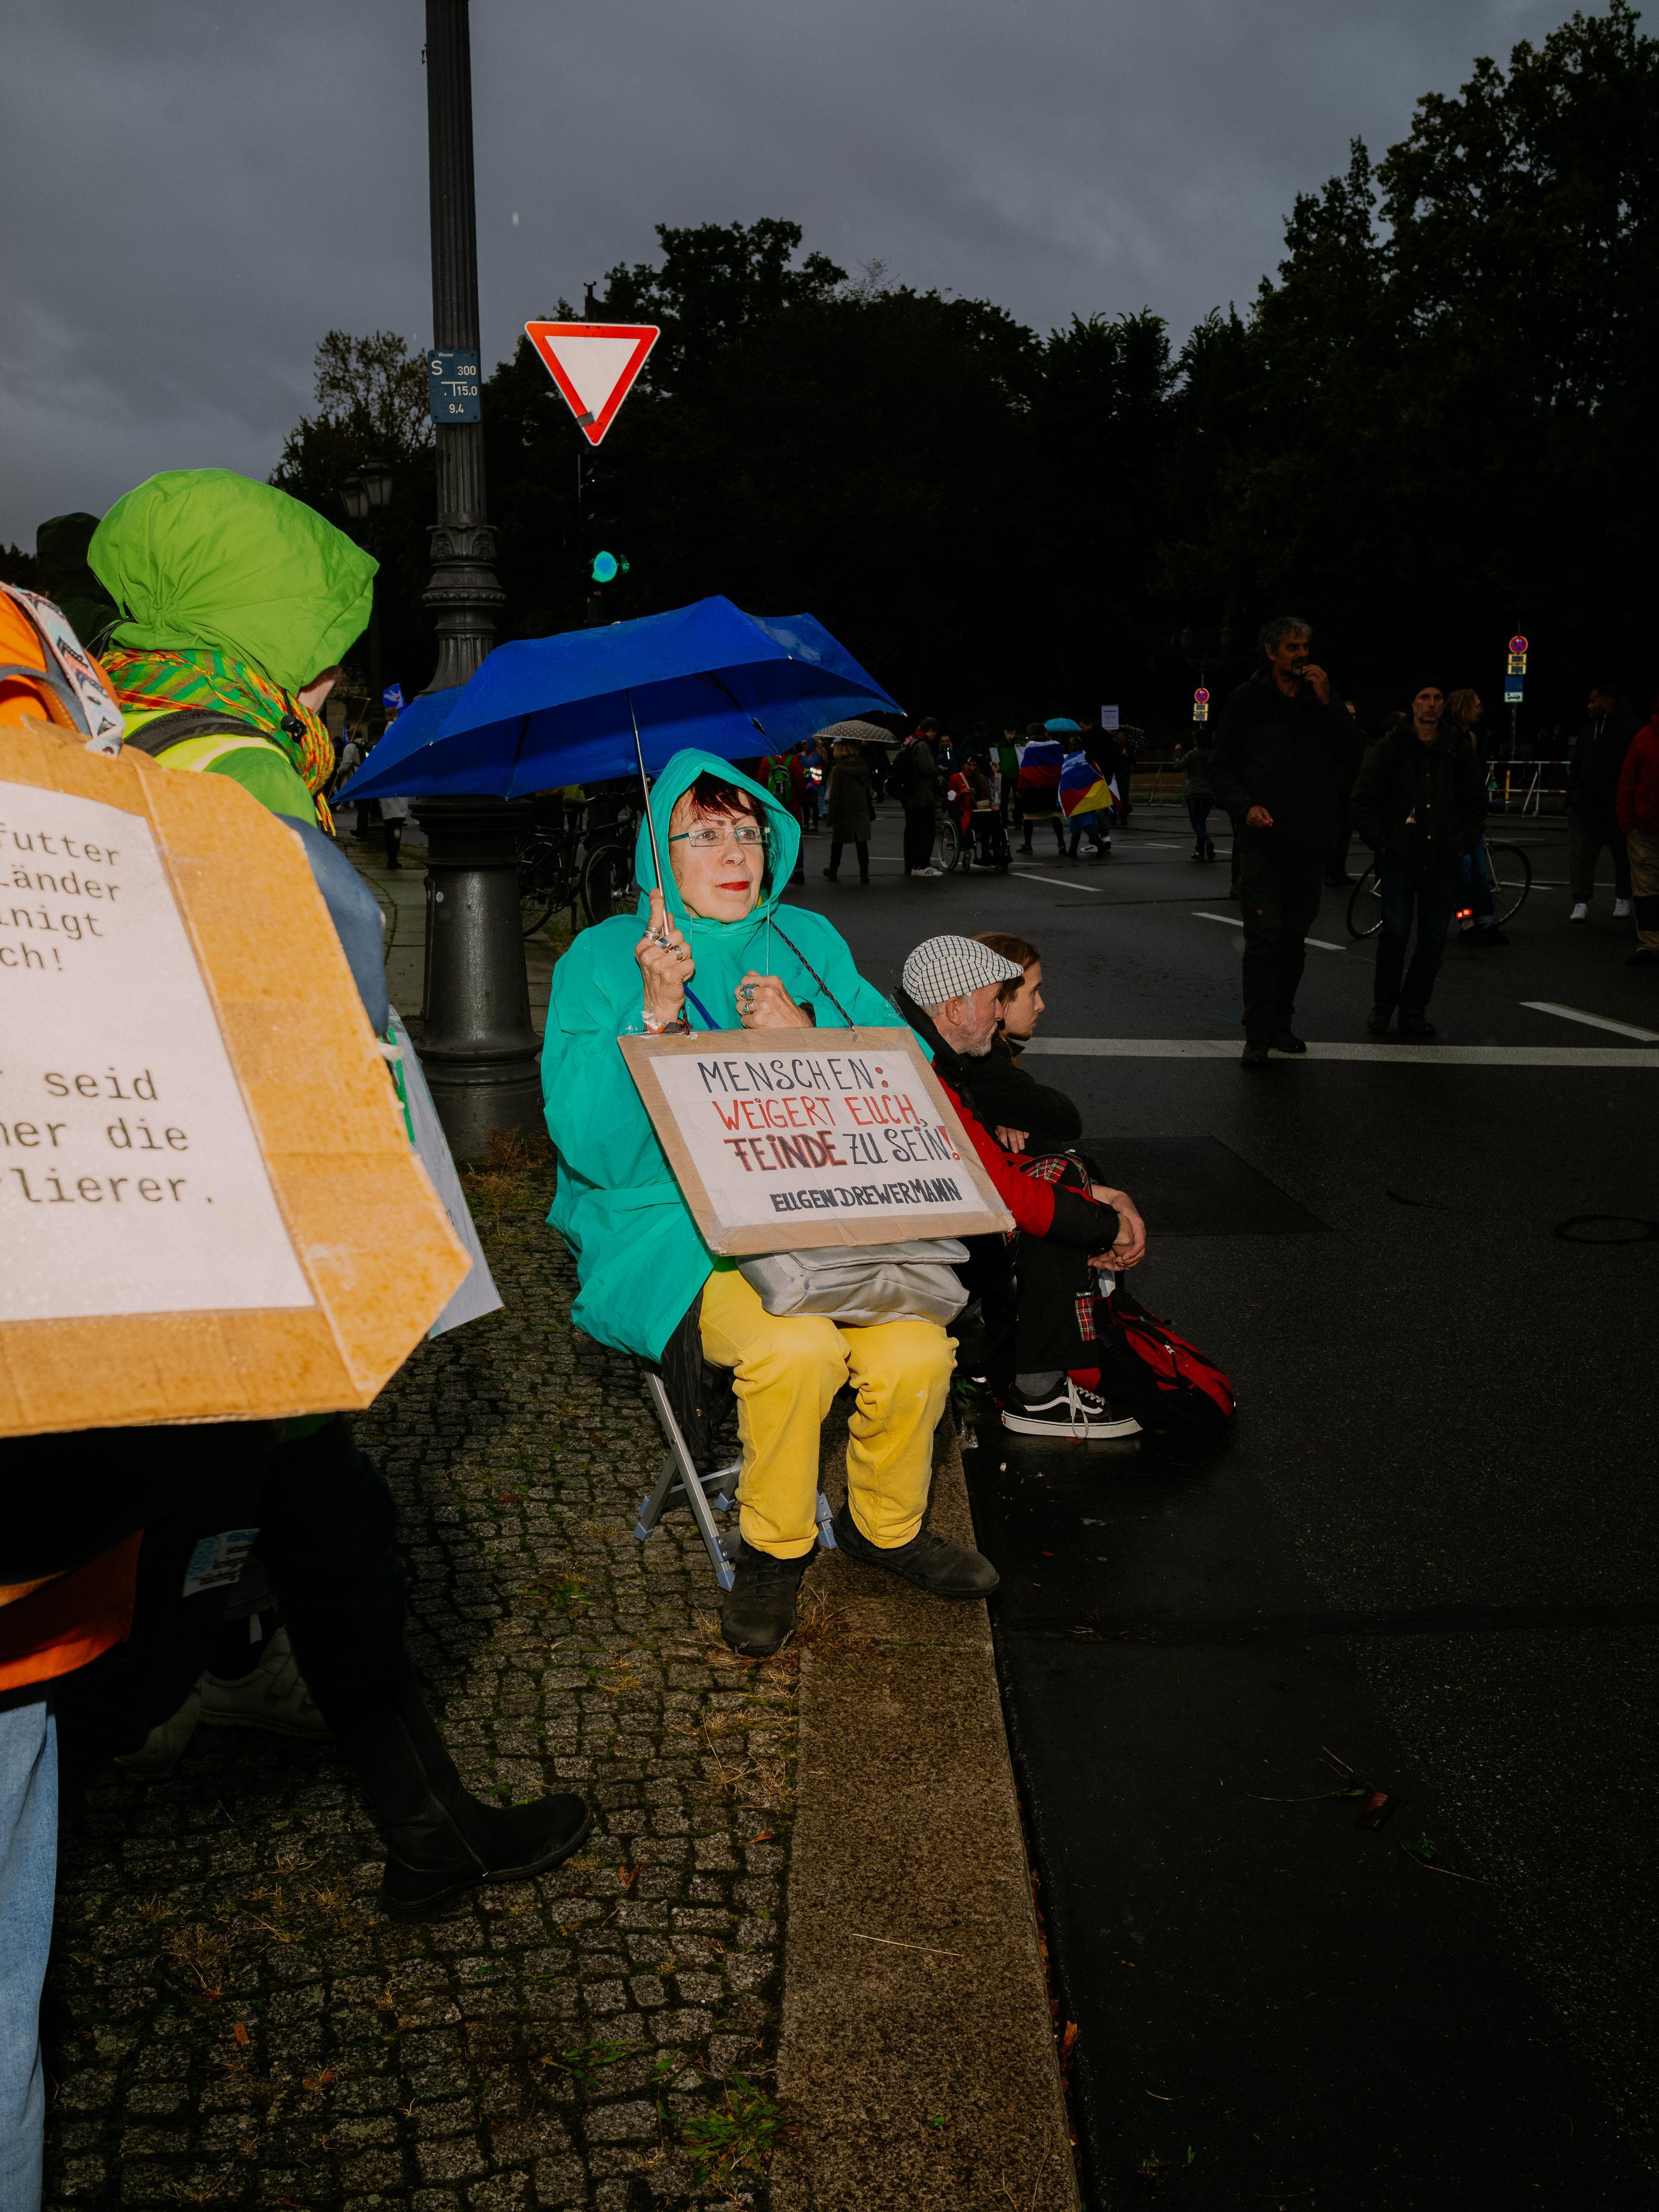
(452, 387)
(1514, 691)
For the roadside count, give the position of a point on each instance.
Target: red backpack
(1157, 1374)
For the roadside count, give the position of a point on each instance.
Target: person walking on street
(784, 776)
(1040, 757)
(1419, 802)
(1598, 759)
(847, 807)
(1283, 755)
(1465, 711)
(1199, 797)
(913, 779)
(1637, 806)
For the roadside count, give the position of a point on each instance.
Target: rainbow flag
(1082, 788)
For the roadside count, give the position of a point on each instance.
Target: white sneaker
(1620, 909)
(1073, 1410)
(927, 871)
(1580, 912)
(164, 1747)
(273, 1697)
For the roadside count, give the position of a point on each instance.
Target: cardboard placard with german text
(210, 1208)
(782, 1140)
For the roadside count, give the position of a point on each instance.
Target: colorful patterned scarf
(173, 680)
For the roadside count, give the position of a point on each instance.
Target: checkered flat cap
(953, 967)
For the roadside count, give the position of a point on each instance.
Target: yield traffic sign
(594, 366)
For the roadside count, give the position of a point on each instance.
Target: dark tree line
(1435, 424)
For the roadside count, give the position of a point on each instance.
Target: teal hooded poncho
(639, 1256)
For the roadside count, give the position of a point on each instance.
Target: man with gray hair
(1068, 1224)
(1285, 757)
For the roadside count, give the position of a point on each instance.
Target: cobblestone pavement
(232, 2021)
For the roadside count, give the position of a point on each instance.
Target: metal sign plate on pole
(454, 387)
(595, 366)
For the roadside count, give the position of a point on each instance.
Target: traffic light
(597, 494)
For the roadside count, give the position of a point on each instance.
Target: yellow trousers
(786, 1371)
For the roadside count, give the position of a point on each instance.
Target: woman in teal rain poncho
(709, 951)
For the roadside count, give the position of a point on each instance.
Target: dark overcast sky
(196, 190)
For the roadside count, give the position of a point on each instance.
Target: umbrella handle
(651, 827)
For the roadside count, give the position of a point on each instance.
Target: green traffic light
(607, 566)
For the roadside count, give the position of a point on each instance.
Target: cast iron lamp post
(477, 1047)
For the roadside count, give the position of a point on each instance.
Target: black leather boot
(759, 1615)
(441, 1842)
(931, 1563)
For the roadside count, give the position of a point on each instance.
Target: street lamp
(477, 1047)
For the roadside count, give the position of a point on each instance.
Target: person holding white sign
(714, 956)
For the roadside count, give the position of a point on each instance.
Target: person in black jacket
(1419, 802)
(1284, 753)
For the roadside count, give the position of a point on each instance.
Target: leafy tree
(1429, 427)
(371, 405)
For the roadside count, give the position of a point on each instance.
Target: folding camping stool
(705, 1494)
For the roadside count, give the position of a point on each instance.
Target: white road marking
(1060, 882)
(1425, 1055)
(1592, 1021)
(1233, 921)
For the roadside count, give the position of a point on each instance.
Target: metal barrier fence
(1519, 786)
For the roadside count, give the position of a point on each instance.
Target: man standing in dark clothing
(1420, 803)
(1598, 758)
(1284, 755)
(915, 776)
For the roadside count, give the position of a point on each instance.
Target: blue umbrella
(591, 703)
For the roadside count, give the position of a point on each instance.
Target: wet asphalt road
(1428, 1553)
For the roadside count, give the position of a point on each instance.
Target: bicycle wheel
(608, 885)
(1365, 905)
(536, 908)
(1511, 879)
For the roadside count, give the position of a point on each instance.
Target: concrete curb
(916, 2057)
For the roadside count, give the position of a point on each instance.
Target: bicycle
(549, 877)
(1511, 880)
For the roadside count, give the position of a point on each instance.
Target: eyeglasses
(747, 833)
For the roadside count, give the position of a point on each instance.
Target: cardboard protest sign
(209, 1206)
(782, 1140)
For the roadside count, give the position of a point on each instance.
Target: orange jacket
(62, 1624)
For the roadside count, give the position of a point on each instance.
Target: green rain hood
(201, 558)
(639, 1256)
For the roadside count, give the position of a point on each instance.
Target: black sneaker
(1488, 932)
(1415, 1025)
(759, 1615)
(1254, 1055)
(932, 1564)
(1643, 956)
(1287, 1041)
(1071, 1411)
(1376, 1022)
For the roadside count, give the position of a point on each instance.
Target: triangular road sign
(594, 366)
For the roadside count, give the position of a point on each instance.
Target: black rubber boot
(441, 1842)
(941, 1568)
(759, 1615)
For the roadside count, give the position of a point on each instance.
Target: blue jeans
(1436, 902)
(28, 1878)
(1198, 813)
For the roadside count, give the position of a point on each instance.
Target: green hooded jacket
(639, 1256)
(202, 558)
